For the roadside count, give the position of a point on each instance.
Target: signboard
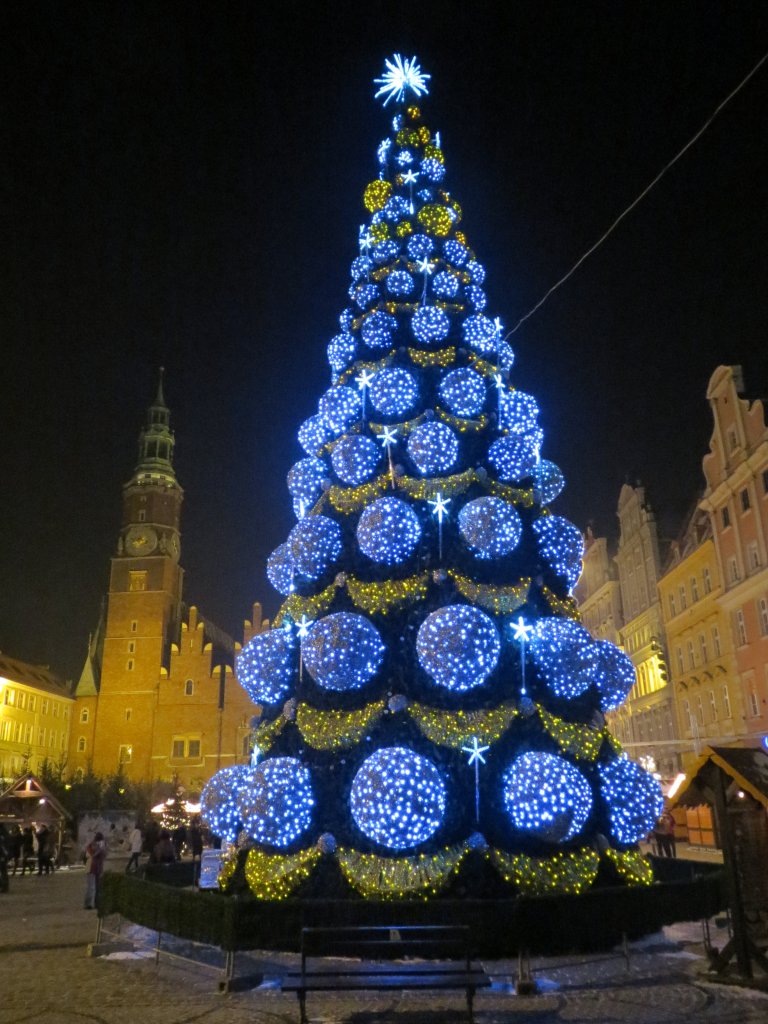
(211, 862)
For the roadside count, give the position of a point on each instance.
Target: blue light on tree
(346, 319)
(614, 674)
(432, 170)
(455, 252)
(219, 806)
(265, 666)
(388, 531)
(365, 295)
(281, 570)
(546, 796)
(561, 543)
(458, 646)
(476, 297)
(341, 352)
(445, 285)
(433, 448)
(634, 799)
(342, 651)
(401, 74)
(405, 157)
(313, 433)
(377, 329)
(518, 412)
(463, 391)
(549, 481)
(396, 208)
(354, 459)
(504, 355)
(513, 458)
(480, 333)
(393, 391)
(314, 544)
(398, 798)
(419, 247)
(361, 267)
(400, 283)
(384, 251)
(476, 271)
(276, 806)
(305, 480)
(563, 653)
(339, 407)
(490, 527)
(430, 324)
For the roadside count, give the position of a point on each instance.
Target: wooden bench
(372, 958)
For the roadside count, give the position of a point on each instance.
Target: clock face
(140, 540)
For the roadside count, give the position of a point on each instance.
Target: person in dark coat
(44, 850)
(163, 852)
(5, 856)
(27, 850)
(14, 847)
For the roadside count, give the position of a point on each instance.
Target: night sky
(181, 186)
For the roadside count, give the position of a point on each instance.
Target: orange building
(157, 698)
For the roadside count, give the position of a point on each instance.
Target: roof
(39, 677)
(746, 766)
(24, 797)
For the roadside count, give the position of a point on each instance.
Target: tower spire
(156, 442)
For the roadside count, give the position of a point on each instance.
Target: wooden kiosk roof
(746, 766)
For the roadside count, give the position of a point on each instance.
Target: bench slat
(336, 983)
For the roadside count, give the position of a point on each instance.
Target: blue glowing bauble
(305, 480)
(361, 267)
(400, 282)
(518, 412)
(562, 651)
(455, 252)
(432, 170)
(377, 329)
(342, 651)
(398, 121)
(385, 251)
(219, 807)
(513, 458)
(388, 531)
(393, 391)
(458, 646)
(463, 391)
(365, 295)
(480, 333)
(546, 796)
(398, 798)
(490, 527)
(549, 481)
(339, 407)
(354, 459)
(281, 570)
(504, 355)
(382, 152)
(430, 325)
(346, 318)
(276, 805)
(445, 285)
(313, 433)
(266, 666)
(476, 271)
(614, 674)
(476, 297)
(341, 352)
(315, 544)
(561, 543)
(425, 195)
(405, 157)
(420, 246)
(634, 798)
(396, 208)
(433, 448)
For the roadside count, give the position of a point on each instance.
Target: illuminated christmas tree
(429, 696)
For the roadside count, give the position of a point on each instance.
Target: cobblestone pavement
(46, 977)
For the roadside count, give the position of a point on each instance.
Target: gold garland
(561, 606)
(313, 607)
(381, 597)
(580, 740)
(631, 865)
(564, 872)
(482, 366)
(227, 871)
(267, 733)
(515, 495)
(500, 600)
(448, 486)
(455, 729)
(615, 744)
(406, 427)
(273, 876)
(351, 499)
(442, 358)
(461, 423)
(395, 878)
(375, 365)
(336, 730)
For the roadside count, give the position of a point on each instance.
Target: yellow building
(157, 698)
(35, 718)
(708, 699)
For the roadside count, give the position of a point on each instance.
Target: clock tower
(144, 603)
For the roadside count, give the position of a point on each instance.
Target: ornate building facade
(35, 718)
(157, 698)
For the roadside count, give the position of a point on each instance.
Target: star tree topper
(401, 74)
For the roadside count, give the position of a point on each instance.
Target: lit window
(33, 702)
(41, 737)
(129, 665)
(713, 705)
(707, 580)
(125, 753)
(137, 581)
(128, 714)
(726, 518)
(81, 744)
(189, 688)
(694, 589)
(21, 701)
(683, 598)
(754, 704)
(762, 610)
(9, 697)
(177, 749)
(131, 646)
(745, 503)
(691, 655)
(716, 640)
(733, 570)
(186, 748)
(672, 609)
(726, 702)
(84, 715)
(56, 709)
(44, 707)
(753, 557)
(703, 648)
(193, 749)
(134, 625)
(741, 628)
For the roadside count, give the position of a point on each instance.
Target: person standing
(5, 856)
(27, 850)
(14, 843)
(96, 854)
(44, 850)
(135, 846)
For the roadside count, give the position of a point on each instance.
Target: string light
(400, 75)
(547, 796)
(305, 479)
(337, 730)
(281, 570)
(463, 391)
(339, 407)
(341, 351)
(354, 459)
(436, 219)
(398, 877)
(314, 544)
(458, 646)
(518, 412)
(490, 527)
(634, 799)
(476, 297)
(513, 458)
(219, 801)
(476, 271)
(550, 481)
(394, 392)
(581, 741)
(382, 597)
(562, 652)
(313, 434)
(398, 798)
(480, 333)
(377, 329)
(400, 282)
(456, 728)
(433, 448)
(419, 246)
(376, 194)
(498, 599)
(342, 651)
(385, 249)
(276, 805)
(430, 325)
(631, 865)
(565, 872)
(388, 531)
(455, 252)
(275, 876)
(264, 667)
(444, 357)
(562, 544)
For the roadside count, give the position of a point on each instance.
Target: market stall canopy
(28, 800)
(746, 767)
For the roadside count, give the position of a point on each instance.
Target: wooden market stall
(28, 803)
